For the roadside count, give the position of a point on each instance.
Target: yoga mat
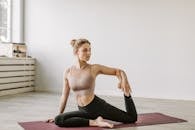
(151, 119)
(143, 120)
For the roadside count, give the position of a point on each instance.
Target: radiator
(17, 75)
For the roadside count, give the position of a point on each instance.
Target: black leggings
(98, 107)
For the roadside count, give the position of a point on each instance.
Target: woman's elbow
(118, 71)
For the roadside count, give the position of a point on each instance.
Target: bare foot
(101, 123)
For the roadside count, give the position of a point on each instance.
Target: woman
(92, 110)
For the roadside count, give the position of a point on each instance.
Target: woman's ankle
(127, 95)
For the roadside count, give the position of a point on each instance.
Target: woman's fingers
(119, 85)
(125, 87)
(130, 90)
(50, 120)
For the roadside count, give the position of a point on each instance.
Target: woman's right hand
(50, 121)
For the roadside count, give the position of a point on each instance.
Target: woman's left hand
(119, 85)
(126, 88)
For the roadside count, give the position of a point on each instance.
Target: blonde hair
(77, 43)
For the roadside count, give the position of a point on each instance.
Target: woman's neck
(80, 64)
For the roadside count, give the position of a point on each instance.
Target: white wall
(153, 41)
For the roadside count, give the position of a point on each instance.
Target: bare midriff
(84, 100)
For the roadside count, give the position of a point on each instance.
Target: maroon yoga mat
(143, 120)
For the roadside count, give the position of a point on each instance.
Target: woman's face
(84, 52)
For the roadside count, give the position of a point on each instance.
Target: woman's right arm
(65, 94)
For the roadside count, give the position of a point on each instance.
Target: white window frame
(9, 24)
(16, 22)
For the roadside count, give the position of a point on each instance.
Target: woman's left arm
(121, 75)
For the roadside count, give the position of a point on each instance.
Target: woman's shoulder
(96, 66)
(67, 70)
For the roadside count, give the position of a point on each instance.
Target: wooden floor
(35, 106)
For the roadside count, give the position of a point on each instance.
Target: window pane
(5, 7)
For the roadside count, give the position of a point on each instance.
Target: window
(5, 20)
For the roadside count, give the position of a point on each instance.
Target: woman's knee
(134, 117)
(58, 120)
(131, 119)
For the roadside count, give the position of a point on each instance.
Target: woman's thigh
(111, 112)
(73, 119)
(78, 113)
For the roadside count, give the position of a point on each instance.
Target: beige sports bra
(81, 79)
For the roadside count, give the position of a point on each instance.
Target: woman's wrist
(123, 75)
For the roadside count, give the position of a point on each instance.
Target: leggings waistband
(96, 100)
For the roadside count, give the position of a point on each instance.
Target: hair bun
(73, 41)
